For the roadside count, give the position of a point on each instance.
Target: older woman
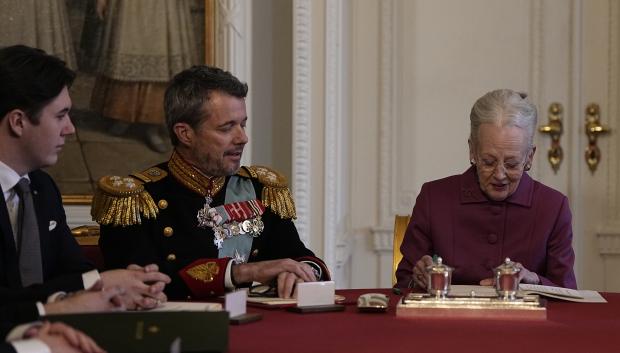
(494, 209)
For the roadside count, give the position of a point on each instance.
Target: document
(573, 295)
(581, 296)
(188, 306)
(281, 302)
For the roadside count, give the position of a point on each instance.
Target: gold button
(254, 252)
(168, 231)
(171, 257)
(162, 204)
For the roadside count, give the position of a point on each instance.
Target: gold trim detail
(192, 179)
(122, 201)
(77, 199)
(276, 194)
(204, 272)
(151, 174)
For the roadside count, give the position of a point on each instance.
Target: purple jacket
(453, 219)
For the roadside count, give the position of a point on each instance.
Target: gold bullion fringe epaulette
(276, 194)
(123, 201)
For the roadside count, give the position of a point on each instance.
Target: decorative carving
(609, 241)
(334, 145)
(302, 63)
(383, 239)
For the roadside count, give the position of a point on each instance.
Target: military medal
(238, 259)
(231, 219)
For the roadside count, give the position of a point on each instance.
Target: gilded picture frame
(93, 152)
(84, 35)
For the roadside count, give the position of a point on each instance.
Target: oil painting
(124, 53)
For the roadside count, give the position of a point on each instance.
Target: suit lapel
(8, 252)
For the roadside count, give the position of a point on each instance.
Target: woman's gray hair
(504, 107)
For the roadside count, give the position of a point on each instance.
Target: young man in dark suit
(37, 250)
(35, 337)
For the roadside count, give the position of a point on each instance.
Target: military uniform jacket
(173, 240)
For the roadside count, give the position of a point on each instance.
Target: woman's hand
(525, 276)
(419, 271)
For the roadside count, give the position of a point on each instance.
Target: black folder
(153, 332)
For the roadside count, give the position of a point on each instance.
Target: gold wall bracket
(593, 129)
(554, 130)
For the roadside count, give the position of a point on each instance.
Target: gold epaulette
(276, 194)
(123, 201)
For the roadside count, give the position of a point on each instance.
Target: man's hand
(419, 271)
(61, 338)
(143, 286)
(287, 284)
(96, 299)
(286, 271)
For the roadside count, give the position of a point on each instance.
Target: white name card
(315, 293)
(235, 303)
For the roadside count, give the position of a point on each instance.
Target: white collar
(9, 178)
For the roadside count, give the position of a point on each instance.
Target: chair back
(400, 226)
(88, 239)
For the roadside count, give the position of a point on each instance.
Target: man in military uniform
(209, 223)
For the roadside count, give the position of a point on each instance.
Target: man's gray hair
(504, 107)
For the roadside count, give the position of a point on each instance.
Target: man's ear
(185, 133)
(16, 121)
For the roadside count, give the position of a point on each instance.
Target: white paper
(188, 306)
(175, 347)
(581, 296)
(315, 293)
(235, 303)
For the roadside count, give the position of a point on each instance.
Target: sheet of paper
(272, 301)
(315, 293)
(579, 296)
(188, 306)
(557, 291)
(235, 302)
(175, 347)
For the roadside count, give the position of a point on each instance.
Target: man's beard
(215, 166)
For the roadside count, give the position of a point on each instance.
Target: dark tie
(29, 245)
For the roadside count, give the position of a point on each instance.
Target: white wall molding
(609, 240)
(613, 117)
(386, 106)
(382, 233)
(335, 211)
(537, 49)
(383, 239)
(302, 63)
(333, 65)
(234, 50)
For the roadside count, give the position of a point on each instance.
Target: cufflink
(52, 226)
